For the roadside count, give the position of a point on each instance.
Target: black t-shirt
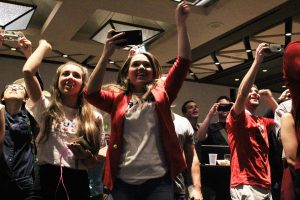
(214, 135)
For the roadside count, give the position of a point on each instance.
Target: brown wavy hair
(124, 82)
(86, 118)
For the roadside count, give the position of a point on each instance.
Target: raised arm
(267, 96)
(2, 126)
(201, 133)
(31, 68)
(96, 79)
(184, 48)
(248, 80)
(25, 45)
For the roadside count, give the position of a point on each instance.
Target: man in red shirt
(248, 138)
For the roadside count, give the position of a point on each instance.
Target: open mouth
(70, 84)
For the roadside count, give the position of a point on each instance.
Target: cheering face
(192, 110)
(14, 91)
(140, 72)
(70, 80)
(253, 97)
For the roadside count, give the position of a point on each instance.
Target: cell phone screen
(133, 37)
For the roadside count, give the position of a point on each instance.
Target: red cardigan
(116, 104)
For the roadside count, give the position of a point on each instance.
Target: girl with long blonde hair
(71, 130)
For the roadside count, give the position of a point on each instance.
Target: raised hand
(182, 12)
(265, 93)
(45, 44)
(260, 52)
(111, 43)
(25, 45)
(285, 95)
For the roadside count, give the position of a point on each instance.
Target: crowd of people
(49, 143)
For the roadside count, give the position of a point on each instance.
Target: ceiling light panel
(14, 15)
(148, 33)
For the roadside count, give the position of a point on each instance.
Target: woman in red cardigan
(144, 153)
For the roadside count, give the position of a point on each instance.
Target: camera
(224, 107)
(274, 48)
(133, 37)
(11, 35)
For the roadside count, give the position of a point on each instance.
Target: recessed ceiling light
(283, 86)
(288, 34)
(13, 49)
(217, 63)
(111, 62)
(237, 79)
(192, 74)
(248, 50)
(264, 70)
(65, 55)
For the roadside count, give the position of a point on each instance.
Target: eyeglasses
(15, 87)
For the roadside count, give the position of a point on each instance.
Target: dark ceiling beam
(238, 68)
(216, 61)
(232, 57)
(267, 20)
(248, 48)
(271, 80)
(288, 29)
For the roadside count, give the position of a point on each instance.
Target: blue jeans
(153, 189)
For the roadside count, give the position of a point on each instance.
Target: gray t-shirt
(142, 155)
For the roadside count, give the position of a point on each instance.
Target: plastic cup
(227, 157)
(212, 158)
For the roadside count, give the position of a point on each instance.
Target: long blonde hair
(86, 119)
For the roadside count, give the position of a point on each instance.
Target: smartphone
(133, 37)
(274, 48)
(11, 35)
(224, 107)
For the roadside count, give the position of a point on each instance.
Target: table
(216, 178)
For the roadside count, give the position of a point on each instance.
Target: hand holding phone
(77, 150)
(133, 37)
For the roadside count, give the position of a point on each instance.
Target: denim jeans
(153, 189)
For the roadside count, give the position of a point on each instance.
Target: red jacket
(116, 105)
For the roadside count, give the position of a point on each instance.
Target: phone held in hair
(11, 35)
(224, 107)
(133, 37)
(274, 48)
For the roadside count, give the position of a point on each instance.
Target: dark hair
(183, 107)
(223, 97)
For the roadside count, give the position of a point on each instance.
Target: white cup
(227, 157)
(212, 158)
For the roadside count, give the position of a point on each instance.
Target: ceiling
(220, 33)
